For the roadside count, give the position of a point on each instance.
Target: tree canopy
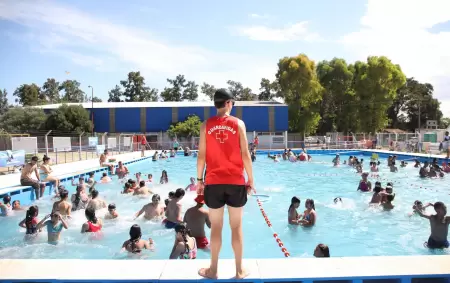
(135, 89)
(23, 119)
(4, 105)
(69, 118)
(180, 90)
(186, 129)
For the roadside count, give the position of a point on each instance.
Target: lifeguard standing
(143, 145)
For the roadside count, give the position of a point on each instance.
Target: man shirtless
(121, 170)
(27, 180)
(196, 217)
(103, 162)
(96, 203)
(173, 211)
(152, 210)
(143, 189)
(63, 206)
(439, 226)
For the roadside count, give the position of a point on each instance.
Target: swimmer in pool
(54, 226)
(403, 164)
(337, 200)
(63, 206)
(30, 223)
(373, 167)
(93, 223)
(364, 185)
(192, 186)
(96, 203)
(439, 226)
(336, 160)
(310, 215)
(135, 244)
(321, 250)
(293, 216)
(174, 208)
(387, 205)
(143, 190)
(378, 194)
(149, 178)
(152, 210)
(417, 163)
(164, 177)
(424, 170)
(112, 212)
(196, 218)
(105, 178)
(121, 170)
(418, 205)
(6, 207)
(127, 189)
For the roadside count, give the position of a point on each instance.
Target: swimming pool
(352, 229)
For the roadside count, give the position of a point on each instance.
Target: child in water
(387, 205)
(293, 216)
(112, 213)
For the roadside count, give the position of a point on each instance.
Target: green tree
(420, 96)
(50, 91)
(96, 99)
(136, 90)
(28, 95)
(115, 95)
(336, 78)
(239, 92)
(445, 122)
(4, 105)
(69, 118)
(268, 90)
(72, 91)
(180, 90)
(208, 90)
(186, 129)
(301, 91)
(23, 119)
(376, 84)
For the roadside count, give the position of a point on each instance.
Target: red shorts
(202, 242)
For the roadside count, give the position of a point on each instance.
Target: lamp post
(92, 107)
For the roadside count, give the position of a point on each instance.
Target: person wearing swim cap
(223, 150)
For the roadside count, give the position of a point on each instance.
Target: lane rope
(275, 235)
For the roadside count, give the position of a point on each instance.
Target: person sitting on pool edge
(439, 226)
(293, 216)
(196, 218)
(135, 244)
(173, 212)
(103, 162)
(322, 250)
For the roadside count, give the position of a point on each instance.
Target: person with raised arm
(223, 150)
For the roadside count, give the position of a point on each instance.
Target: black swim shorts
(216, 196)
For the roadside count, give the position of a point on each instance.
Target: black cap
(223, 94)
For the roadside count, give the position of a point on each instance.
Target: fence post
(132, 143)
(285, 139)
(103, 139)
(56, 150)
(46, 142)
(79, 145)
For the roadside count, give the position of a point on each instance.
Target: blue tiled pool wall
(441, 278)
(26, 196)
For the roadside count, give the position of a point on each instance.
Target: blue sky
(99, 42)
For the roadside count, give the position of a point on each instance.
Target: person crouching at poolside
(152, 210)
(293, 216)
(185, 246)
(364, 185)
(54, 226)
(135, 244)
(439, 226)
(173, 212)
(112, 212)
(322, 251)
(195, 218)
(310, 215)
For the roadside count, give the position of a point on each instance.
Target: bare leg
(235, 214)
(216, 218)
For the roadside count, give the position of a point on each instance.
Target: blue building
(147, 117)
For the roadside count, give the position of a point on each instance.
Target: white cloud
(400, 30)
(91, 41)
(298, 31)
(258, 16)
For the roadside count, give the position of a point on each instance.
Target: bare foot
(207, 273)
(241, 275)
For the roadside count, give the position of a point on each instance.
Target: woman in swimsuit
(31, 222)
(79, 199)
(185, 246)
(54, 226)
(93, 223)
(293, 216)
(192, 186)
(135, 244)
(309, 216)
(164, 178)
(6, 207)
(364, 185)
(46, 170)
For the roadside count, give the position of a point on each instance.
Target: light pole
(92, 107)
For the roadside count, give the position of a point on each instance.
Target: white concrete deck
(299, 269)
(69, 169)
(404, 153)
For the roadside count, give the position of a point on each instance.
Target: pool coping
(402, 268)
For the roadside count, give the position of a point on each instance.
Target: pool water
(349, 229)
